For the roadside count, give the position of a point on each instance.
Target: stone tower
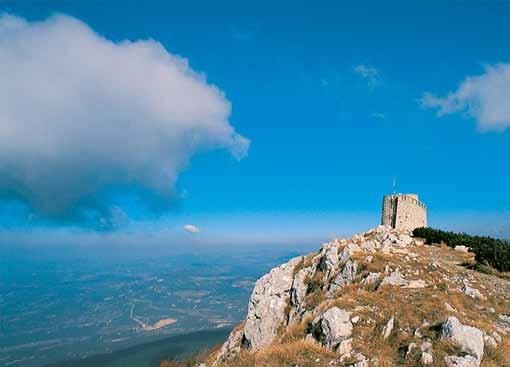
(403, 212)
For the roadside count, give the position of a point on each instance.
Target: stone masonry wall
(404, 212)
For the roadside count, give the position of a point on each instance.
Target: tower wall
(403, 212)
(388, 210)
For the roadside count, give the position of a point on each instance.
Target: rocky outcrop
(267, 308)
(330, 294)
(346, 276)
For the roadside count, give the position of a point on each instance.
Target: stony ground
(381, 298)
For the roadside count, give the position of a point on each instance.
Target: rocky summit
(380, 298)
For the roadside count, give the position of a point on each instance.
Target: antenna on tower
(394, 185)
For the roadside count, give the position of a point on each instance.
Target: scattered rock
(329, 260)
(472, 292)
(348, 251)
(470, 339)
(465, 361)
(462, 248)
(388, 328)
(332, 327)
(415, 284)
(395, 279)
(426, 358)
(449, 307)
(505, 318)
(347, 276)
(370, 279)
(345, 347)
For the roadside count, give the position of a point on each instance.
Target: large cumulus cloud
(80, 114)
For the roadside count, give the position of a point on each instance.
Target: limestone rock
(465, 361)
(388, 328)
(332, 327)
(469, 338)
(267, 305)
(370, 279)
(461, 248)
(298, 294)
(329, 259)
(472, 292)
(347, 276)
(426, 358)
(415, 284)
(395, 279)
(231, 346)
(348, 251)
(345, 347)
(449, 307)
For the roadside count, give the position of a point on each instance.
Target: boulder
(332, 327)
(469, 339)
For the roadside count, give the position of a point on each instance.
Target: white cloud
(368, 73)
(191, 228)
(80, 114)
(483, 97)
(378, 115)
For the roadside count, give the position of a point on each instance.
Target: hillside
(381, 298)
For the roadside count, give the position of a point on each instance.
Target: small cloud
(378, 115)
(369, 73)
(482, 97)
(191, 228)
(324, 83)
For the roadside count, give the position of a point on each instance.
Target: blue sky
(327, 104)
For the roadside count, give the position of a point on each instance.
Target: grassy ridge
(489, 251)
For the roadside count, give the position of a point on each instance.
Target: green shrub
(491, 251)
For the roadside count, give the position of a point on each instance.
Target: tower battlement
(403, 212)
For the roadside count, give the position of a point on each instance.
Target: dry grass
(499, 357)
(300, 353)
(297, 331)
